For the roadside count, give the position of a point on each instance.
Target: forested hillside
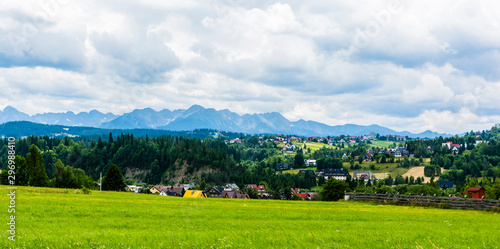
(172, 160)
(158, 160)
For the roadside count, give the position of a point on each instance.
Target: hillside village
(271, 166)
(397, 153)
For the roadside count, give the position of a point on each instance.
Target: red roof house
(476, 192)
(302, 195)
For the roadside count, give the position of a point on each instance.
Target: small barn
(476, 192)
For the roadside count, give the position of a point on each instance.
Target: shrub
(86, 190)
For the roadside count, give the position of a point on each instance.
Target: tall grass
(55, 218)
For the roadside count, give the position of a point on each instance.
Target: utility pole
(100, 185)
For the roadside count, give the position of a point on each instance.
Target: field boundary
(420, 200)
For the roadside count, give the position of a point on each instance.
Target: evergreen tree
(58, 175)
(113, 180)
(299, 160)
(333, 190)
(36, 170)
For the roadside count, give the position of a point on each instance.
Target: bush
(86, 190)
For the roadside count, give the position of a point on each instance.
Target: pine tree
(113, 180)
(36, 170)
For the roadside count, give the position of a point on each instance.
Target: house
(476, 192)
(251, 186)
(453, 147)
(259, 188)
(194, 194)
(367, 175)
(310, 162)
(289, 147)
(157, 189)
(174, 191)
(214, 192)
(236, 140)
(339, 174)
(231, 186)
(234, 194)
(445, 184)
(131, 188)
(281, 166)
(397, 153)
(295, 190)
(302, 195)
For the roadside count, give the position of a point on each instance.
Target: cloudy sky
(412, 66)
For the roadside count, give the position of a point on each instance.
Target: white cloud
(432, 65)
(431, 90)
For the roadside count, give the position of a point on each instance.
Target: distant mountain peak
(199, 117)
(10, 109)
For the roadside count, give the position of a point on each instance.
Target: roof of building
(218, 190)
(231, 193)
(232, 186)
(474, 189)
(161, 188)
(194, 194)
(447, 184)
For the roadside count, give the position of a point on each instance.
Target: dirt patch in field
(419, 172)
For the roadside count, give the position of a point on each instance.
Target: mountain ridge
(198, 117)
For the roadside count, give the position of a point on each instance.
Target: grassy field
(54, 218)
(382, 144)
(317, 146)
(314, 146)
(296, 171)
(380, 169)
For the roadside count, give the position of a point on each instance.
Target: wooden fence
(420, 200)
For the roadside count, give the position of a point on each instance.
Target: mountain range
(198, 117)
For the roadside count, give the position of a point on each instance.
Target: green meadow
(61, 218)
(382, 144)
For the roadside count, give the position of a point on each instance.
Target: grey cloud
(143, 60)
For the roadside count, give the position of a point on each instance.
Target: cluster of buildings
(398, 152)
(230, 190)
